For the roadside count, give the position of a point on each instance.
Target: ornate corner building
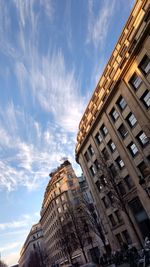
(115, 129)
(62, 191)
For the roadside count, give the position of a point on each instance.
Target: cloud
(9, 246)
(29, 153)
(11, 258)
(98, 25)
(57, 90)
(31, 147)
(17, 231)
(25, 221)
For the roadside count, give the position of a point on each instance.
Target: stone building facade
(34, 243)
(116, 128)
(62, 191)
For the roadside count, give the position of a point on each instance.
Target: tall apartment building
(116, 128)
(62, 191)
(33, 244)
(59, 192)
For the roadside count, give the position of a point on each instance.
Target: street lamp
(145, 183)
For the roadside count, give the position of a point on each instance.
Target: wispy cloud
(9, 246)
(24, 222)
(98, 25)
(28, 154)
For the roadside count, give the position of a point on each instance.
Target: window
(143, 169)
(59, 210)
(112, 220)
(62, 197)
(118, 215)
(105, 202)
(128, 181)
(112, 146)
(133, 149)
(123, 131)
(104, 130)
(98, 185)
(113, 170)
(92, 169)
(111, 197)
(86, 155)
(127, 237)
(145, 65)
(121, 189)
(135, 81)
(103, 180)
(105, 154)
(91, 150)
(114, 114)
(97, 165)
(140, 216)
(119, 238)
(121, 103)
(98, 138)
(142, 138)
(120, 162)
(57, 201)
(70, 176)
(131, 119)
(145, 98)
(65, 206)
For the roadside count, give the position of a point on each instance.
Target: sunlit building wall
(116, 125)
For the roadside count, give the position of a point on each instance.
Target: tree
(34, 260)
(67, 240)
(94, 222)
(37, 258)
(109, 180)
(75, 230)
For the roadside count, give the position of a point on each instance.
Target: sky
(52, 53)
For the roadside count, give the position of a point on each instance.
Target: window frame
(121, 98)
(142, 98)
(120, 131)
(112, 116)
(130, 121)
(141, 171)
(128, 182)
(110, 147)
(90, 150)
(131, 150)
(112, 220)
(140, 66)
(97, 139)
(105, 153)
(118, 160)
(86, 156)
(92, 170)
(140, 140)
(136, 76)
(102, 130)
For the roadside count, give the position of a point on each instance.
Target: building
(85, 189)
(61, 192)
(115, 130)
(33, 244)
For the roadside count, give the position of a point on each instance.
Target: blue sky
(51, 56)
